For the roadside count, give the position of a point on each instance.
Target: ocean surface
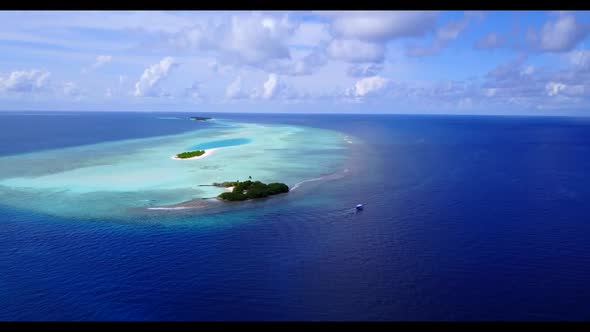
(466, 218)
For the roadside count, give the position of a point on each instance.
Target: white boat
(359, 207)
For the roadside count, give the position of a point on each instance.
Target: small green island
(190, 154)
(245, 190)
(200, 118)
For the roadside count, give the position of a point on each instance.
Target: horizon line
(311, 113)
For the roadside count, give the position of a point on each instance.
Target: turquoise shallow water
(220, 144)
(115, 178)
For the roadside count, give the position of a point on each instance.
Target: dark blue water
(467, 218)
(23, 132)
(221, 143)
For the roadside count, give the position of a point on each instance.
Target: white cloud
(25, 81)
(194, 92)
(516, 84)
(368, 86)
(279, 55)
(254, 39)
(577, 90)
(352, 50)
(148, 83)
(452, 30)
(90, 30)
(219, 68)
(560, 34)
(103, 20)
(101, 60)
(364, 70)
(528, 70)
(251, 39)
(309, 63)
(262, 39)
(580, 59)
(558, 88)
(274, 87)
(465, 103)
(553, 88)
(300, 65)
(71, 89)
(442, 37)
(380, 26)
(270, 86)
(476, 14)
(510, 70)
(234, 89)
(491, 92)
(310, 34)
(489, 41)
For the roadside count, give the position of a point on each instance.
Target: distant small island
(250, 190)
(200, 118)
(190, 154)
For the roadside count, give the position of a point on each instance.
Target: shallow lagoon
(115, 178)
(220, 144)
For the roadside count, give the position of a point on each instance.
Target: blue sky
(500, 62)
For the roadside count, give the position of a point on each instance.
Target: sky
(491, 62)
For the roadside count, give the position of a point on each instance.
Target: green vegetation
(190, 154)
(226, 184)
(252, 189)
(200, 118)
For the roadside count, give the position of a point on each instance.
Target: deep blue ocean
(467, 218)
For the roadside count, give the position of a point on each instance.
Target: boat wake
(333, 176)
